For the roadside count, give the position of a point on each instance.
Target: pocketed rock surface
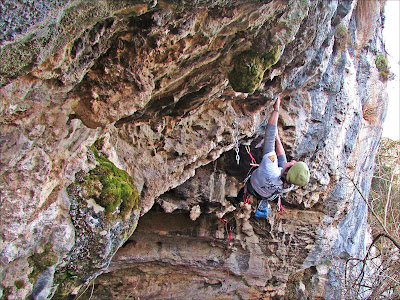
(162, 90)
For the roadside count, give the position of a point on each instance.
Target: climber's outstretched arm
(271, 130)
(278, 145)
(280, 151)
(273, 119)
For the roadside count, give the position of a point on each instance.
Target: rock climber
(275, 175)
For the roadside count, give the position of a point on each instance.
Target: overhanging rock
(152, 80)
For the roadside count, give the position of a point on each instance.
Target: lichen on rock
(110, 187)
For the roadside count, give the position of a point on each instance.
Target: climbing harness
(264, 206)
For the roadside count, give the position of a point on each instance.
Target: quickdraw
(236, 128)
(246, 197)
(229, 234)
(253, 160)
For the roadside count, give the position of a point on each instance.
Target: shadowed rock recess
(118, 128)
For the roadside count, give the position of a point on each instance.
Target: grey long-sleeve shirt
(269, 144)
(266, 179)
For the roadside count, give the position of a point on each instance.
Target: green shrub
(342, 37)
(383, 67)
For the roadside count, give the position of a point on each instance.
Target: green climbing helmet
(298, 174)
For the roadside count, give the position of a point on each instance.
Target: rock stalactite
(119, 121)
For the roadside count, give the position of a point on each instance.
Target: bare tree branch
(388, 196)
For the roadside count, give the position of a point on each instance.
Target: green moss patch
(19, 284)
(110, 186)
(383, 67)
(66, 282)
(41, 261)
(249, 68)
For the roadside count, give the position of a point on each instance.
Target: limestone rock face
(165, 90)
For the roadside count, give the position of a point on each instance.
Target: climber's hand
(277, 103)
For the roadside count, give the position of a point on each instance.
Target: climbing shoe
(262, 209)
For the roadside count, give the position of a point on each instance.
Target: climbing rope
(246, 196)
(229, 230)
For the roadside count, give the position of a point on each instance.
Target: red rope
(229, 233)
(224, 222)
(279, 206)
(280, 211)
(246, 198)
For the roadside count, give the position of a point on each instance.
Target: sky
(391, 126)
